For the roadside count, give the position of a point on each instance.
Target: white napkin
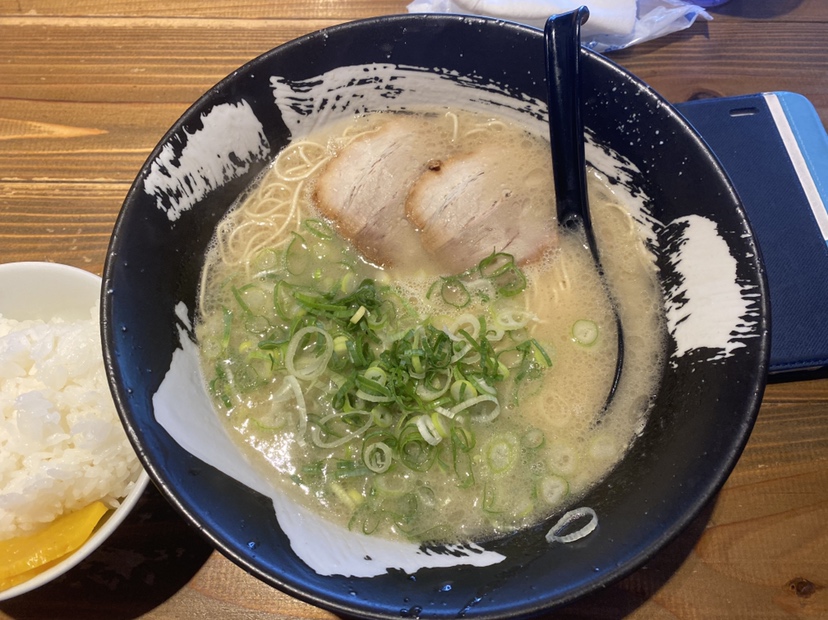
(605, 16)
(612, 24)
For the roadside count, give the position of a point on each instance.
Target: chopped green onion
(496, 264)
(511, 319)
(374, 397)
(534, 360)
(221, 385)
(434, 386)
(563, 458)
(479, 414)
(366, 518)
(501, 453)
(428, 429)
(256, 325)
(462, 443)
(284, 301)
(463, 438)
(512, 283)
(552, 490)
(377, 374)
(392, 484)
(265, 262)
(414, 451)
(585, 332)
(380, 316)
(402, 509)
(355, 318)
(297, 255)
(556, 534)
(319, 229)
(377, 457)
(482, 385)
(227, 319)
(346, 282)
(439, 424)
(340, 344)
(342, 495)
(539, 354)
(308, 360)
(382, 416)
(489, 499)
(317, 431)
(533, 439)
(240, 299)
(346, 468)
(292, 384)
(251, 298)
(467, 324)
(371, 385)
(463, 390)
(278, 414)
(504, 274)
(454, 293)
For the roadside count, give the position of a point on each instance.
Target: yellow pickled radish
(12, 581)
(25, 556)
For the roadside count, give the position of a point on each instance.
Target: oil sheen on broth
(421, 378)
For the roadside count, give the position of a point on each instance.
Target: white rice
(62, 445)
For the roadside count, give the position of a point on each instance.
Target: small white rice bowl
(62, 443)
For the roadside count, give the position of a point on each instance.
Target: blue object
(775, 150)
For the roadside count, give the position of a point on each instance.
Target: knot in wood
(802, 587)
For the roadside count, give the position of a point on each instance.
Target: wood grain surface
(87, 88)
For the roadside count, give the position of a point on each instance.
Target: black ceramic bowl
(714, 285)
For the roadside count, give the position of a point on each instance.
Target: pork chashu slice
(363, 189)
(488, 200)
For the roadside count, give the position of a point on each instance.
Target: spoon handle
(566, 136)
(566, 130)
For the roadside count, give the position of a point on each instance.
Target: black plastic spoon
(566, 135)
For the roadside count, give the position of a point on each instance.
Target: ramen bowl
(708, 264)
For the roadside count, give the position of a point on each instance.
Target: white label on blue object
(806, 149)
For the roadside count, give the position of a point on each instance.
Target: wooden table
(87, 87)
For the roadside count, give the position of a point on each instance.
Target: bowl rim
(77, 278)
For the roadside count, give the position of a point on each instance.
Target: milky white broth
(549, 442)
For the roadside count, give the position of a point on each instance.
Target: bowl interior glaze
(705, 408)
